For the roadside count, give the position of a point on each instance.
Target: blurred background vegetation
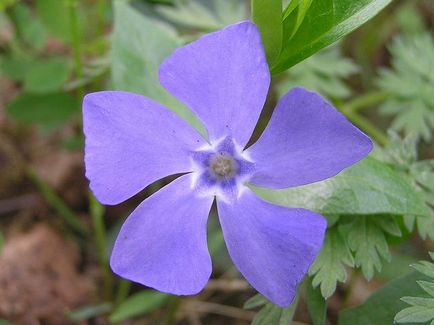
(55, 238)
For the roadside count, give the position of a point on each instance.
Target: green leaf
(267, 15)
(16, 67)
(428, 287)
(402, 155)
(55, 15)
(423, 173)
(87, 312)
(272, 314)
(425, 267)
(47, 76)
(203, 15)
(380, 308)
(368, 241)
(48, 110)
(324, 72)
(256, 301)
(418, 301)
(29, 27)
(140, 44)
(369, 187)
(422, 307)
(415, 314)
(316, 305)
(301, 7)
(138, 304)
(324, 23)
(409, 19)
(329, 266)
(410, 83)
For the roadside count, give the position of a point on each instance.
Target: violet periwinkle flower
(132, 141)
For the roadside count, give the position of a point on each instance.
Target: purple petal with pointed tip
(132, 141)
(223, 77)
(272, 246)
(163, 242)
(306, 140)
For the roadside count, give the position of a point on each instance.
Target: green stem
(97, 214)
(56, 202)
(173, 306)
(101, 18)
(365, 101)
(123, 291)
(367, 126)
(76, 42)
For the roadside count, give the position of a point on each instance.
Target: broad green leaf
(324, 23)
(401, 154)
(301, 7)
(48, 110)
(140, 44)
(267, 15)
(329, 266)
(29, 27)
(55, 15)
(47, 76)
(89, 312)
(316, 304)
(138, 304)
(381, 307)
(369, 187)
(16, 67)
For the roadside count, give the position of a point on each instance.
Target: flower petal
(271, 245)
(224, 78)
(163, 242)
(132, 141)
(306, 140)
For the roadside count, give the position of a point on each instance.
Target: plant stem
(173, 306)
(57, 203)
(365, 101)
(367, 126)
(76, 43)
(123, 291)
(97, 214)
(101, 18)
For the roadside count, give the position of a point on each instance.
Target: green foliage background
(381, 77)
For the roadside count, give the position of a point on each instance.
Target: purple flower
(132, 141)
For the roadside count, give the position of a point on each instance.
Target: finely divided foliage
(410, 83)
(422, 308)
